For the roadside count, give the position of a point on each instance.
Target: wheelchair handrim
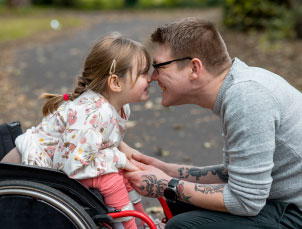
(34, 193)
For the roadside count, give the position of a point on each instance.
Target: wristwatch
(170, 192)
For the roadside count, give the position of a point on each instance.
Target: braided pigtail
(52, 103)
(81, 87)
(55, 100)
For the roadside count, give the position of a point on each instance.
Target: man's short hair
(196, 38)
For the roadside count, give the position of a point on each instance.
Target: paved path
(186, 134)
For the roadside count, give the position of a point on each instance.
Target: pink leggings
(113, 189)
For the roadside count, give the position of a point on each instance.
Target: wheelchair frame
(53, 190)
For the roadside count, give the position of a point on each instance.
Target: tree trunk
(130, 3)
(17, 3)
(299, 29)
(296, 7)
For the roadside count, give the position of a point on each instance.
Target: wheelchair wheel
(26, 204)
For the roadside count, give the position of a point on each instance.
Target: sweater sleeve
(250, 118)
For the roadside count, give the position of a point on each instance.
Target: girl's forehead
(140, 61)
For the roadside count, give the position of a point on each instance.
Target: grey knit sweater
(261, 117)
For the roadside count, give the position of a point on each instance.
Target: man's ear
(114, 83)
(195, 68)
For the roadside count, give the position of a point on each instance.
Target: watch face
(170, 194)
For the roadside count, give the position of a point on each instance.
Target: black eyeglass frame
(156, 66)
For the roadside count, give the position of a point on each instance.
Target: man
(259, 184)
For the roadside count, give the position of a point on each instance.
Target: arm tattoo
(209, 188)
(181, 194)
(220, 171)
(154, 187)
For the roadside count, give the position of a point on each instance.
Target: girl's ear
(114, 83)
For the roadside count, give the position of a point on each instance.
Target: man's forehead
(162, 53)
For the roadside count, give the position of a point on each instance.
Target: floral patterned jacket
(80, 138)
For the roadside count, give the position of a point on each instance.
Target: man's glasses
(157, 66)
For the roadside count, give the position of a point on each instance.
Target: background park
(43, 44)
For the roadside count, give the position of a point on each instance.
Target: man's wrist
(171, 191)
(166, 168)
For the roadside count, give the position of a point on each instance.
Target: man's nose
(154, 75)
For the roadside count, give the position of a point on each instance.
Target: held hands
(152, 161)
(130, 167)
(149, 180)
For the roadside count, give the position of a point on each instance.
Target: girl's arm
(13, 156)
(127, 150)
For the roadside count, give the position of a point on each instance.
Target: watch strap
(173, 182)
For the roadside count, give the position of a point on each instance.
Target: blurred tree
(64, 3)
(296, 7)
(280, 18)
(130, 3)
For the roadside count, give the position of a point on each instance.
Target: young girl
(81, 131)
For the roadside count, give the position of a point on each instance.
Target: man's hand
(149, 181)
(151, 161)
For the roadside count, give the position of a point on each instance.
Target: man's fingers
(128, 174)
(142, 158)
(138, 164)
(132, 168)
(137, 157)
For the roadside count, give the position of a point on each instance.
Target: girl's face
(136, 87)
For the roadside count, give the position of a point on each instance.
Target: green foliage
(273, 16)
(177, 3)
(18, 24)
(118, 4)
(99, 4)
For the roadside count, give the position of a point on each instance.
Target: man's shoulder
(241, 72)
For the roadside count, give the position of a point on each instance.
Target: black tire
(25, 204)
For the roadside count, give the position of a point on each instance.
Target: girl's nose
(149, 78)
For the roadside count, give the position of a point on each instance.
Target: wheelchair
(35, 197)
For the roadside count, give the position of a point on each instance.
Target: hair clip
(66, 97)
(112, 67)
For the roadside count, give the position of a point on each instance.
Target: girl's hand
(127, 150)
(130, 167)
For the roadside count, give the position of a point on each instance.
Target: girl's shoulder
(88, 109)
(90, 99)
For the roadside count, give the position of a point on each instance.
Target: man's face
(172, 81)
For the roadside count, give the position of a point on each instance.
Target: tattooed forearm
(181, 193)
(209, 188)
(220, 171)
(154, 187)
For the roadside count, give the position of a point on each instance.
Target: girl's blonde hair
(98, 64)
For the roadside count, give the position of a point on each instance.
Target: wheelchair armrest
(8, 135)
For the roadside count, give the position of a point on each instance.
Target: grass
(26, 22)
